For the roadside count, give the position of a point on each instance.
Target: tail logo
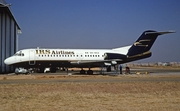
(142, 43)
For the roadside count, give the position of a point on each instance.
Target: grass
(136, 96)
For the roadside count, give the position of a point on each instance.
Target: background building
(9, 30)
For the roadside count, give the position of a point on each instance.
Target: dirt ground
(90, 96)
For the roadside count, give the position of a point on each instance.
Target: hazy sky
(98, 24)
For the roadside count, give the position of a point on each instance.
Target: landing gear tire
(89, 72)
(82, 71)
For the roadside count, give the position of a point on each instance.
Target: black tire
(82, 72)
(89, 72)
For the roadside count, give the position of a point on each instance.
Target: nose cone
(7, 61)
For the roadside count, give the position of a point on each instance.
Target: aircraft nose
(7, 61)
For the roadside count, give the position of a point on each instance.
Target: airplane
(42, 58)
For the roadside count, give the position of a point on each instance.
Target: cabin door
(32, 58)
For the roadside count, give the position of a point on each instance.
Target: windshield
(19, 54)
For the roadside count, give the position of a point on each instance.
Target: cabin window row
(69, 55)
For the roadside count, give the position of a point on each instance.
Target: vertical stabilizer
(144, 42)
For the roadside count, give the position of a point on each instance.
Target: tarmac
(140, 74)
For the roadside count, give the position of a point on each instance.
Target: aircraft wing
(95, 63)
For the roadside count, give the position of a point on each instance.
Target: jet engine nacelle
(109, 56)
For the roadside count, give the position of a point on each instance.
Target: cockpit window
(19, 54)
(16, 54)
(22, 54)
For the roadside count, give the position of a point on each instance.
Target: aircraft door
(32, 58)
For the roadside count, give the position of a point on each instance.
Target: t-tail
(141, 48)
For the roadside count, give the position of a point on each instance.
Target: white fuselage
(31, 56)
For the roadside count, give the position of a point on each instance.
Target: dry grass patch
(90, 96)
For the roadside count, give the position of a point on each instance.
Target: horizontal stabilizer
(160, 33)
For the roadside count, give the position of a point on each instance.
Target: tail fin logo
(142, 43)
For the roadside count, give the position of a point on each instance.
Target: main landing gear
(89, 72)
(108, 69)
(82, 71)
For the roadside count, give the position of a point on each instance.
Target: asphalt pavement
(137, 75)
